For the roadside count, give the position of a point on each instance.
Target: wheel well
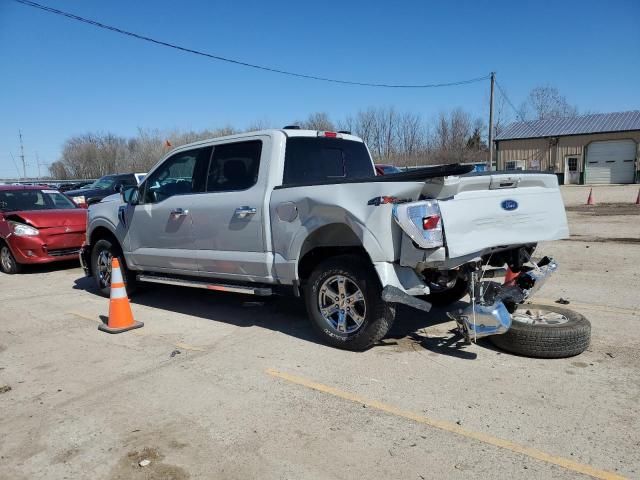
(4, 242)
(101, 233)
(328, 241)
(313, 257)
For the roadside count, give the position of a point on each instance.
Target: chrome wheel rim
(104, 267)
(536, 316)
(342, 304)
(5, 258)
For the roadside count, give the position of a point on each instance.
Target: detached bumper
(84, 255)
(489, 314)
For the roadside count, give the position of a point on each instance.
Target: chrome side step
(259, 291)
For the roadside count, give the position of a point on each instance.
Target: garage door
(611, 162)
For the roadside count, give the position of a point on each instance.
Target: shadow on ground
(288, 315)
(49, 267)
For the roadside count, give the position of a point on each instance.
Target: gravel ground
(251, 394)
(577, 194)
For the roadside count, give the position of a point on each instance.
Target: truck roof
(288, 132)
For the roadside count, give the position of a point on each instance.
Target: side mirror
(129, 195)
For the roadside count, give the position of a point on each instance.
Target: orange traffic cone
(120, 316)
(638, 198)
(510, 276)
(590, 200)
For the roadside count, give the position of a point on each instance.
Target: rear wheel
(545, 331)
(343, 298)
(8, 262)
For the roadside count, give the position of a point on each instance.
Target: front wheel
(343, 299)
(101, 256)
(8, 262)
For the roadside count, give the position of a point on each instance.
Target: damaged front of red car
(38, 225)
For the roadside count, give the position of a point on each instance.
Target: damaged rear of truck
(357, 247)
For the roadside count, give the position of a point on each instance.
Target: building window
(572, 164)
(515, 165)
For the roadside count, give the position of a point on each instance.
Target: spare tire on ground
(545, 331)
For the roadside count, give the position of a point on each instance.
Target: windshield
(387, 169)
(15, 200)
(104, 183)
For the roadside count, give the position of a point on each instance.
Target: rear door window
(311, 159)
(234, 166)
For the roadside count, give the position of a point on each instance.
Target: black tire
(8, 262)
(546, 340)
(111, 249)
(451, 295)
(378, 315)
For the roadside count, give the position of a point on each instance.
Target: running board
(259, 291)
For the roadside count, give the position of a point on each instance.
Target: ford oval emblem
(509, 205)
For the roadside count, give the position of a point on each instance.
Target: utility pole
(38, 163)
(24, 165)
(493, 81)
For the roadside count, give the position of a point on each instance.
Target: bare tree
(546, 102)
(400, 138)
(317, 121)
(261, 124)
(411, 138)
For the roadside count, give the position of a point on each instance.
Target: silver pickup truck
(303, 211)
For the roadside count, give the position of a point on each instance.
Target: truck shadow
(433, 331)
(288, 315)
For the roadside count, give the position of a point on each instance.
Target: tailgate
(476, 219)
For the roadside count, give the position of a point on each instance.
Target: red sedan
(38, 225)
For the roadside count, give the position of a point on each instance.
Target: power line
(14, 163)
(518, 114)
(239, 62)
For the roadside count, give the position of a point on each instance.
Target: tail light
(329, 134)
(422, 221)
(430, 222)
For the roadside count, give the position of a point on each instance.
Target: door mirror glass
(129, 195)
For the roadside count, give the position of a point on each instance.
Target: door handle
(179, 212)
(243, 212)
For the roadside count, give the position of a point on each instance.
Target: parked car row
(102, 188)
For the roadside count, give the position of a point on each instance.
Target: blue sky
(61, 78)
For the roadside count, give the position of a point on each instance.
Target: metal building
(589, 149)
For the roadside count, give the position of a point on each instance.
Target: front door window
(181, 174)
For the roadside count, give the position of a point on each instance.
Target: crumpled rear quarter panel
(321, 205)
